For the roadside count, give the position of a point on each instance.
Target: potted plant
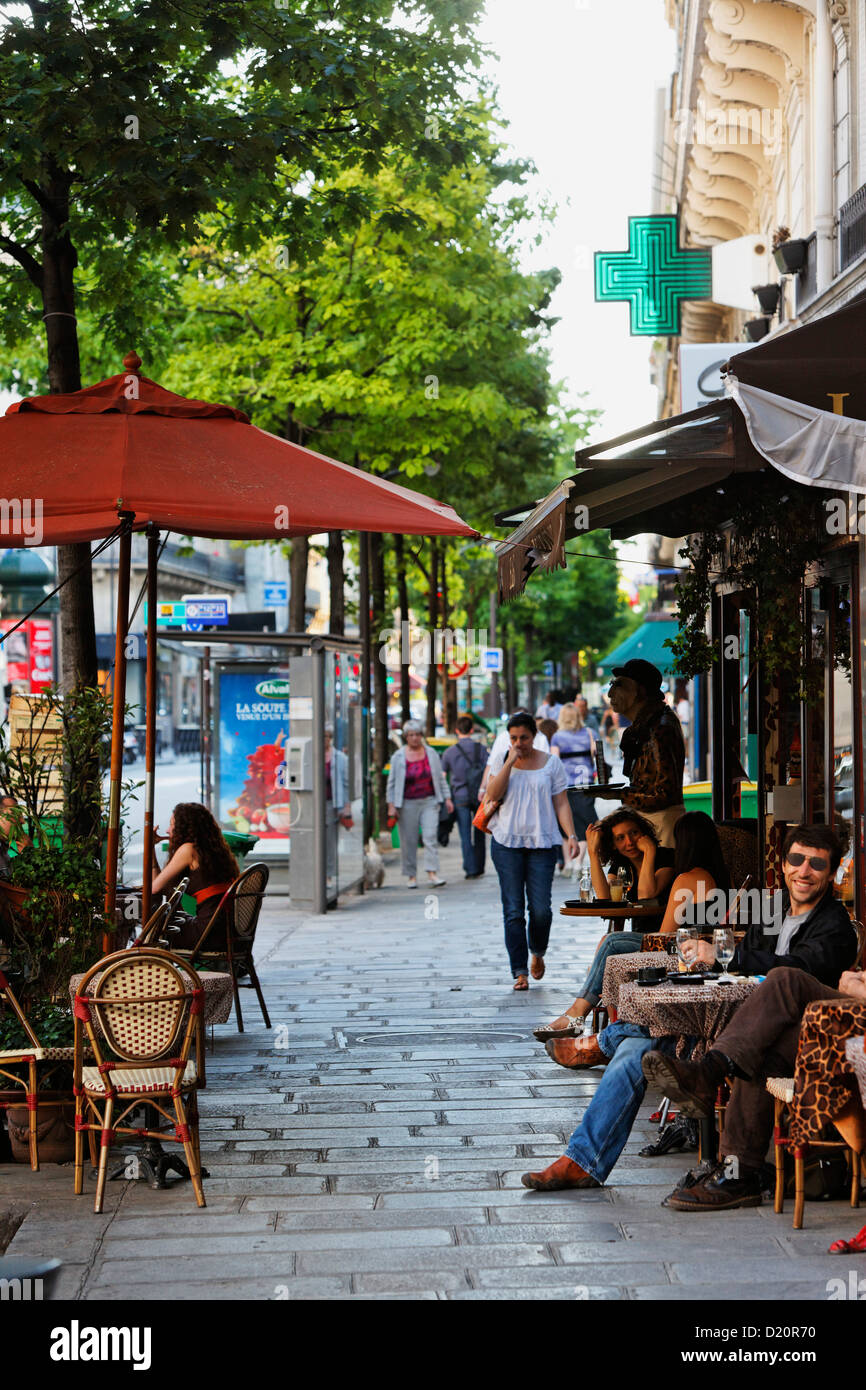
(789, 254)
(52, 756)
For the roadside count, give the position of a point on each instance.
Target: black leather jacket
(824, 946)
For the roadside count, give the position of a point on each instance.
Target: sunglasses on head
(819, 865)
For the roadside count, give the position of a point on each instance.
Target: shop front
(767, 488)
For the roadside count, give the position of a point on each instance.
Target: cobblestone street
(371, 1145)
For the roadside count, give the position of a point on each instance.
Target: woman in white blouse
(526, 836)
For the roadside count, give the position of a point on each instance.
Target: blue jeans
(472, 840)
(601, 1136)
(616, 943)
(525, 877)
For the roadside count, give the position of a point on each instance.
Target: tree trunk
(77, 625)
(433, 625)
(336, 581)
(509, 663)
(403, 600)
(298, 584)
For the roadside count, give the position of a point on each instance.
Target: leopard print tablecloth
(855, 1051)
(824, 1079)
(684, 1011)
(621, 970)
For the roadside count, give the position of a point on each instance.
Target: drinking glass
(724, 946)
(586, 886)
(685, 934)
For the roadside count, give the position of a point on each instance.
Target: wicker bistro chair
(236, 919)
(147, 1006)
(781, 1088)
(32, 1057)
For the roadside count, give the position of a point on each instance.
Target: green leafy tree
(123, 123)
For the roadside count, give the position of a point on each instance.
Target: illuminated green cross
(655, 275)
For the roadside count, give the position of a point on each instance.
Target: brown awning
(815, 362)
(652, 479)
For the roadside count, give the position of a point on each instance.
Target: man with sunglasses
(813, 952)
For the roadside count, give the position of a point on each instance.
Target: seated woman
(196, 847)
(697, 869)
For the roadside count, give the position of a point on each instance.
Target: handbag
(485, 813)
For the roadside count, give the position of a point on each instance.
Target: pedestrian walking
(416, 789)
(531, 787)
(550, 706)
(338, 807)
(464, 763)
(574, 745)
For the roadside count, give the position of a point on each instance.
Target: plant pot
(55, 1132)
(768, 297)
(790, 257)
(14, 896)
(756, 329)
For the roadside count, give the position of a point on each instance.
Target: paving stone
(395, 1258)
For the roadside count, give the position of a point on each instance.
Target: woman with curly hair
(197, 848)
(688, 872)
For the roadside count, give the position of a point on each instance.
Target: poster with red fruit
(253, 713)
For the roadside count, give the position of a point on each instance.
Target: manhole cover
(407, 1039)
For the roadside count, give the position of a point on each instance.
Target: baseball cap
(643, 672)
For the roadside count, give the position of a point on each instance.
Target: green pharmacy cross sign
(655, 275)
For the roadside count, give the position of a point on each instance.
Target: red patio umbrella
(126, 450)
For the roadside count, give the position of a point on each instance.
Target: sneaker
(437, 882)
(412, 883)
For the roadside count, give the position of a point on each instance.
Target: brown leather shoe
(576, 1052)
(563, 1173)
(688, 1083)
(536, 967)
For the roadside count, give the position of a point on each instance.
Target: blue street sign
(276, 594)
(491, 658)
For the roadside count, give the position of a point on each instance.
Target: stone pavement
(371, 1144)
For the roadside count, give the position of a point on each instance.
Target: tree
(120, 130)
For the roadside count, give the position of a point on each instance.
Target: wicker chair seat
(781, 1087)
(137, 1080)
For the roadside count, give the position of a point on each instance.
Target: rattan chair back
(142, 1002)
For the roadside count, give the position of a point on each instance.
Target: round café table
(623, 970)
(617, 914)
(824, 1076)
(687, 1012)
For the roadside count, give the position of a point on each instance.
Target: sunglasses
(819, 865)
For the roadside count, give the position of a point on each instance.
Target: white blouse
(527, 817)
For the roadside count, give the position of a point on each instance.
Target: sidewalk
(371, 1144)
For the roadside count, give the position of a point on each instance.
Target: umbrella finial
(132, 361)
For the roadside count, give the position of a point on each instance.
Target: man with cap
(652, 747)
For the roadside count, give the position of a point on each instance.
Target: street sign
(655, 275)
(491, 658)
(547, 670)
(192, 614)
(276, 594)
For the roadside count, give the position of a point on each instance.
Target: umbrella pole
(149, 722)
(117, 722)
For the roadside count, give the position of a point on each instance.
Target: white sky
(577, 82)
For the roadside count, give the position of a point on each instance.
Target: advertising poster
(41, 654)
(17, 656)
(253, 706)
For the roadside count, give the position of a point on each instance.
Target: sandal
(521, 982)
(572, 1029)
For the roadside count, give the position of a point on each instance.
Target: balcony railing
(852, 229)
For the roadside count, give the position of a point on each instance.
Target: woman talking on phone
(531, 787)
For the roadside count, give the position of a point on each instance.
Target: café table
(617, 914)
(824, 1076)
(623, 970)
(218, 994)
(686, 1012)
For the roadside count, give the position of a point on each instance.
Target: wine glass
(685, 934)
(724, 946)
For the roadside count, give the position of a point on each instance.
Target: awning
(652, 479)
(797, 402)
(646, 642)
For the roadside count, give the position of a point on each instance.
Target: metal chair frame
(158, 920)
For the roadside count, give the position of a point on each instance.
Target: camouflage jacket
(654, 757)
